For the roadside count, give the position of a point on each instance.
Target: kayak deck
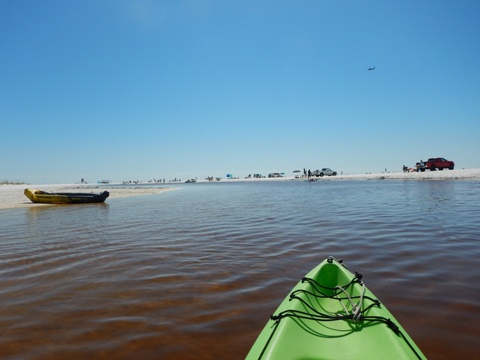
(331, 314)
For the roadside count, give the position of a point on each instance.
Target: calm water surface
(195, 273)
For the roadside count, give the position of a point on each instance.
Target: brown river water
(195, 273)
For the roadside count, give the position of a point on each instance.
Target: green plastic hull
(315, 325)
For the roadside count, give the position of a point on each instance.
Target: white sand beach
(11, 196)
(463, 174)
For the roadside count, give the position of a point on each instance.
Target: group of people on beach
(418, 167)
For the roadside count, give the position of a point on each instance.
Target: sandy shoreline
(463, 174)
(12, 197)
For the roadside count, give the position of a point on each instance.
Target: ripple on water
(196, 272)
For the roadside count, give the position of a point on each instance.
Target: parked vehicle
(324, 172)
(439, 163)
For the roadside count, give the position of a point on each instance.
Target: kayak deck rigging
(327, 317)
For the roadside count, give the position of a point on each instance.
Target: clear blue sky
(137, 90)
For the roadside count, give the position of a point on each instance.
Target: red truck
(438, 163)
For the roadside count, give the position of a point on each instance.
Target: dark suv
(439, 163)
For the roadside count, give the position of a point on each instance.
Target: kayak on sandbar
(39, 196)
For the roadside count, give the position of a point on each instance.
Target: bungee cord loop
(356, 312)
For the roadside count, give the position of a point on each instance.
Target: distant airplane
(373, 68)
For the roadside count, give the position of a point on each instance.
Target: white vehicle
(324, 172)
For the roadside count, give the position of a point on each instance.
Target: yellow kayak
(39, 196)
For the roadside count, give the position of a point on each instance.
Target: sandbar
(461, 174)
(12, 197)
